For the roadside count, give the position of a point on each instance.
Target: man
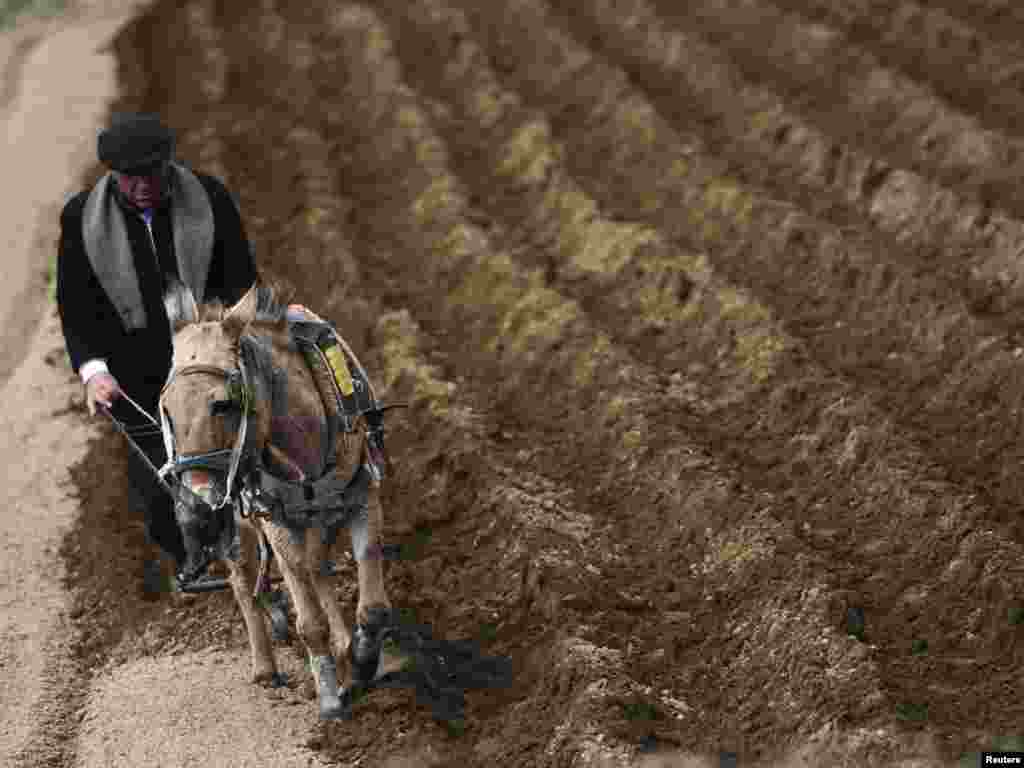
(146, 221)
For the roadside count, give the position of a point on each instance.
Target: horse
(240, 408)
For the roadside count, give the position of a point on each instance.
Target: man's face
(143, 191)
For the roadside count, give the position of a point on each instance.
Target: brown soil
(707, 354)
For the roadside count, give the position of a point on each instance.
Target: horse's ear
(238, 317)
(181, 306)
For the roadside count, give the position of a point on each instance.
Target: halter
(213, 460)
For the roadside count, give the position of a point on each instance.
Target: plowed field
(712, 314)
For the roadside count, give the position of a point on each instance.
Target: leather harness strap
(214, 370)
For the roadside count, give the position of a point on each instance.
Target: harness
(346, 396)
(326, 502)
(345, 389)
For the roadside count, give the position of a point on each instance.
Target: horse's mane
(270, 308)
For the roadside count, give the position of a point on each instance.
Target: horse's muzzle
(208, 533)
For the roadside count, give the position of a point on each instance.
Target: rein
(126, 431)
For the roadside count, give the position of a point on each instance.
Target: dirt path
(53, 105)
(181, 703)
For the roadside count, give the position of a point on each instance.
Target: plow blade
(215, 584)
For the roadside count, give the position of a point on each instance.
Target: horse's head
(210, 413)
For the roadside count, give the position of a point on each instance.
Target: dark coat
(140, 360)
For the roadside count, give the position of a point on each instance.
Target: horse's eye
(219, 407)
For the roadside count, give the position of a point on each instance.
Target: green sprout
(912, 711)
(455, 728)
(640, 710)
(241, 394)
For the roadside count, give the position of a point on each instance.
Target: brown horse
(241, 403)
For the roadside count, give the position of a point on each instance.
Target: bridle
(219, 460)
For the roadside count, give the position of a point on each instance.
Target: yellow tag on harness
(336, 359)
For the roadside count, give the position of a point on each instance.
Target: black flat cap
(135, 143)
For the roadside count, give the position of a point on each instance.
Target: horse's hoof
(367, 640)
(332, 704)
(271, 679)
(279, 680)
(334, 708)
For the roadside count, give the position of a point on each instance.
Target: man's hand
(102, 389)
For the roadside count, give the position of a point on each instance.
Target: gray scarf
(110, 252)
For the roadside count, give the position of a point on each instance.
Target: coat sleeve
(232, 268)
(86, 314)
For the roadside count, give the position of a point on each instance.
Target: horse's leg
(243, 579)
(368, 549)
(341, 638)
(374, 605)
(310, 621)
